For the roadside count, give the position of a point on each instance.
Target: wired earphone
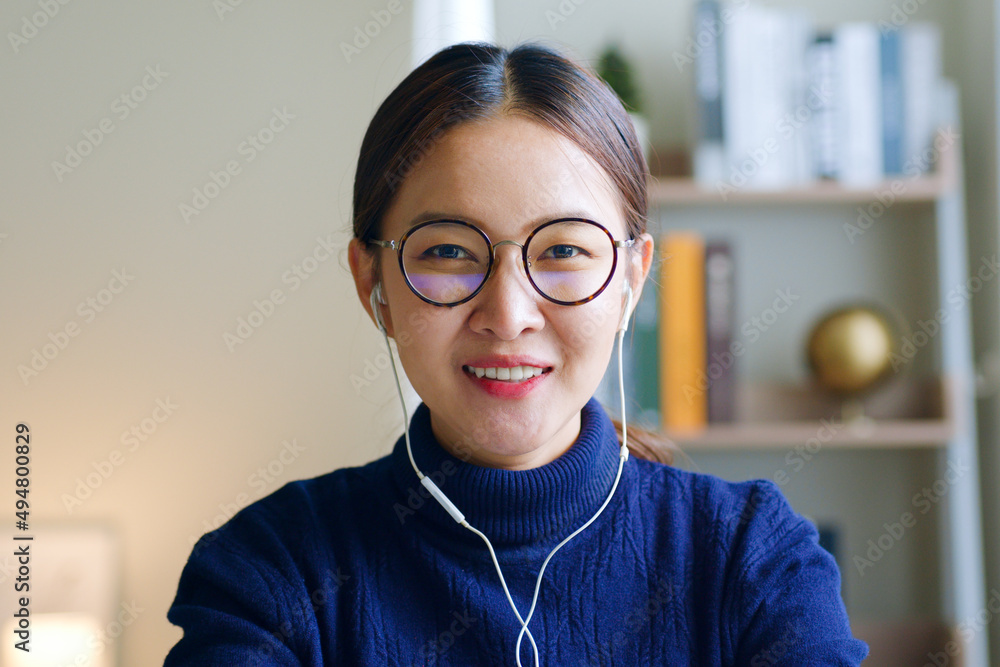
(378, 300)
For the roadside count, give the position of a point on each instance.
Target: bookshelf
(778, 416)
(918, 424)
(677, 190)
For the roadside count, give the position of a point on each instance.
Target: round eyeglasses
(569, 261)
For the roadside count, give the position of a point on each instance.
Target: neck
(500, 450)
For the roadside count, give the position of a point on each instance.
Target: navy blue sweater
(359, 567)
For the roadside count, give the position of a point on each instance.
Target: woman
(499, 219)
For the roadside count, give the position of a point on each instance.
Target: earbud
(376, 300)
(623, 324)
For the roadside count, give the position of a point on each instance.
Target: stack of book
(695, 332)
(782, 104)
(678, 354)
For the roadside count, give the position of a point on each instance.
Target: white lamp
(76, 612)
(440, 23)
(58, 640)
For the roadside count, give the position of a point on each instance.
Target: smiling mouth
(514, 374)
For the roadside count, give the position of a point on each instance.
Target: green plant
(617, 72)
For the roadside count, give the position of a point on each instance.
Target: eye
(448, 251)
(562, 251)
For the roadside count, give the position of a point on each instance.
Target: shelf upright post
(962, 544)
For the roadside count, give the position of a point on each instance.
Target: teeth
(515, 374)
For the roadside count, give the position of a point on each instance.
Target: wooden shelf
(904, 414)
(664, 190)
(908, 643)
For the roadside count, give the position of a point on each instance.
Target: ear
(642, 261)
(362, 261)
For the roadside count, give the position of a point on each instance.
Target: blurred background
(180, 334)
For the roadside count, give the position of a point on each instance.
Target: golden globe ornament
(850, 349)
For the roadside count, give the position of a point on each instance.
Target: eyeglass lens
(569, 261)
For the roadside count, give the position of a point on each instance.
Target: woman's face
(507, 176)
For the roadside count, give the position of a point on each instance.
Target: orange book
(683, 393)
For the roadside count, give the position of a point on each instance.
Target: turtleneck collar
(512, 507)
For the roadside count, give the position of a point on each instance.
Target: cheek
(413, 327)
(422, 332)
(591, 331)
(412, 318)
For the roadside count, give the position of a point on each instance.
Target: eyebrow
(527, 227)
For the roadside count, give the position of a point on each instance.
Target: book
(793, 129)
(765, 111)
(823, 129)
(893, 102)
(858, 94)
(780, 105)
(644, 357)
(920, 48)
(709, 153)
(682, 332)
(720, 324)
(754, 99)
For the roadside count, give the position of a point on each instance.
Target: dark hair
(475, 81)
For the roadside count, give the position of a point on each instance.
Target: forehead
(506, 175)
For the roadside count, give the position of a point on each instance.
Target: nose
(508, 305)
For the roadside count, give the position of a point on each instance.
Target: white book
(822, 68)
(767, 112)
(756, 97)
(795, 128)
(858, 93)
(921, 64)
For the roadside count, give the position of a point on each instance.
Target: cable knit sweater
(361, 567)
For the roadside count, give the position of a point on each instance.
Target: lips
(507, 376)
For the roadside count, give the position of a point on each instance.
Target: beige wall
(161, 336)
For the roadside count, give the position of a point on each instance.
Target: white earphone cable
(623, 455)
(460, 518)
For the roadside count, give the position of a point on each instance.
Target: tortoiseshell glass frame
(398, 247)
